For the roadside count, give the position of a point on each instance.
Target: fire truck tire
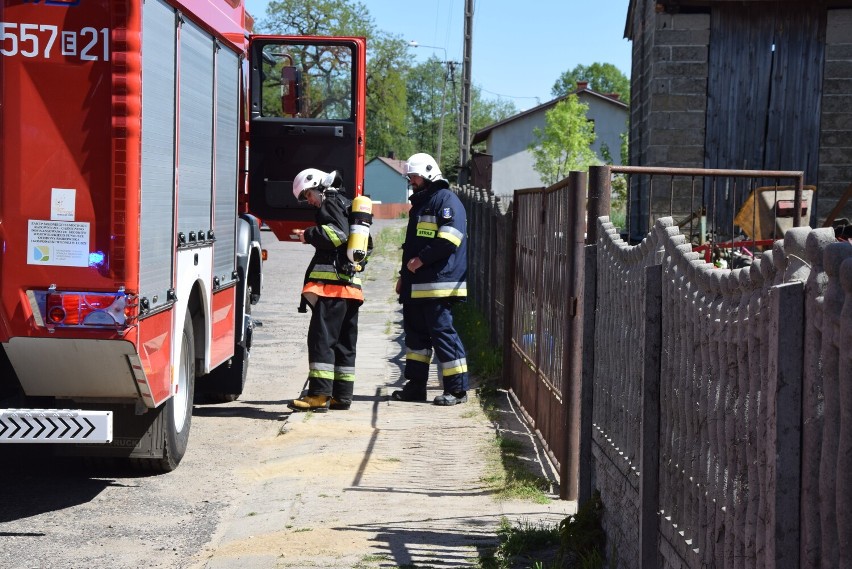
(176, 413)
(225, 383)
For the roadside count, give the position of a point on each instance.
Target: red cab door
(306, 110)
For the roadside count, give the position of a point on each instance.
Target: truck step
(55, 426)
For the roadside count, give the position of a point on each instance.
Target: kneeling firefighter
(332, 288)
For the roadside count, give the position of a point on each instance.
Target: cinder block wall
(678, 90)
(619, 488)
(668, 103)
(835, 152)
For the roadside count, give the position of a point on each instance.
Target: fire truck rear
(135, 137)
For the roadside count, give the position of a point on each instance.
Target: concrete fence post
(509, 295)
(587, 390)
(572, 398)
(785, 444)
(600, 200)
(649, 461)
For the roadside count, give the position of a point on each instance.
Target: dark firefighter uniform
(436, 234)
(334, 292)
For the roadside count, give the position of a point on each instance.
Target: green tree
(388, 61)
(317, 18)
(484, 112)
(619, 182)
(564, 144)
(325, 69)
(403, 100)
(602, 77)
(425, 86)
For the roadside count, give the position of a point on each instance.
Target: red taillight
(89, 309)
(56, 314)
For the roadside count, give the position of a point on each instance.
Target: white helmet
(423, 165)
(313, 179)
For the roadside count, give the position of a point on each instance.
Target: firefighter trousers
(428, 326)
(332, 336)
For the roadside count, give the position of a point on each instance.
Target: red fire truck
(140, 141)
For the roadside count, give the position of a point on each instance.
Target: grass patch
(370, 561)
(618, 216)
(508, 474)
(524, 537)
(389, 325)
(577, 542)
(483, 360)
(387, 244)
(525, 544)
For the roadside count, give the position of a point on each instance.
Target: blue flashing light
(96, 259)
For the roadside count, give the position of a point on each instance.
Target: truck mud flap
(55, 426)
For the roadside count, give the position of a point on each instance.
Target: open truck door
(307, 110)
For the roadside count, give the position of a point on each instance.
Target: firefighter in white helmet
(332, 288)
(433, 277)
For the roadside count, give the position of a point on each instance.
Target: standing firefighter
(332, 289)
(434, 269)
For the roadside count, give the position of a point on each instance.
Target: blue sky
(520, 47)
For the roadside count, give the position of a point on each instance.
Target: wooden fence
(716, 404)
(534, 272)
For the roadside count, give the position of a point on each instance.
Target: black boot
(410, 392)
(451, 398)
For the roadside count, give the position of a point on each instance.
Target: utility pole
(448, 72)
(464, 134)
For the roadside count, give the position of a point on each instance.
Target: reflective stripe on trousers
(332, 337)
(429, 326)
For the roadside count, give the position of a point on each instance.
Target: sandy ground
(385, 484)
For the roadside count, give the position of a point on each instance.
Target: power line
(537, 99)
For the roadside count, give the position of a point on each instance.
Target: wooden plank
(763, 105)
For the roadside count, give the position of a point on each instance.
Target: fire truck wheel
(225, 383)
(175, 416)
(179, 407)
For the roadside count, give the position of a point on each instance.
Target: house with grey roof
(507, 142)
(384, 180)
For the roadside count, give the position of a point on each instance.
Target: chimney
(582, 85)
(613, 96)
(392, 155)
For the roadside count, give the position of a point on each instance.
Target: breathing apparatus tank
(360, 220)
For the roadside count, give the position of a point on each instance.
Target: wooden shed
(746, 84)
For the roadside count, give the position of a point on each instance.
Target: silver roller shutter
(158, 152)
(195, 152)
(227, 145)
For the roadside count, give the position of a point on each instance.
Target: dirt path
(385, 484)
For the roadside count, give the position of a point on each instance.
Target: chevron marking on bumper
(55, 426)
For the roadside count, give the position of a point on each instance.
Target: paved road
(382, 485)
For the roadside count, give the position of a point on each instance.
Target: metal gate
(545, 326)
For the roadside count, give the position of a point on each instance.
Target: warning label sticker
(58, 243)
